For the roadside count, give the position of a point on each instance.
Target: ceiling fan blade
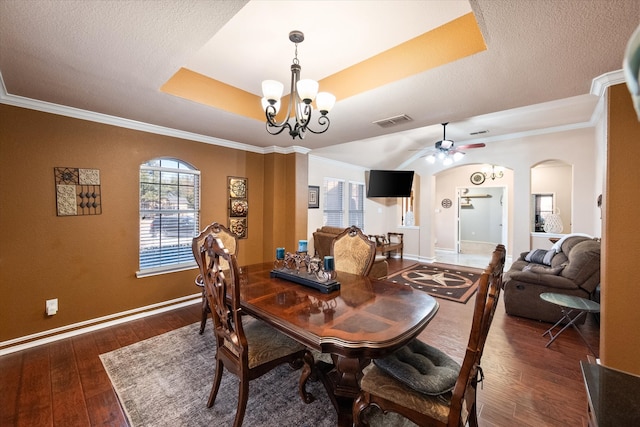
(464, 147)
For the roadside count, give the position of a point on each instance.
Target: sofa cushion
(331, 230)
(575, 237)
(540, 256)
(550, 281)
(543, 269)
(584, 263)
(422, 368)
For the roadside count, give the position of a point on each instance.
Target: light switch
(52, 306)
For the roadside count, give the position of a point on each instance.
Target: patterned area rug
(166, 380)
(452, 282)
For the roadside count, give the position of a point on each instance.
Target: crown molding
(286, 150)
(76, 113)
(602, 82)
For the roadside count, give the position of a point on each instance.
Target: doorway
(482, 219)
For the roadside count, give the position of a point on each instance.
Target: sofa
(322, 239)
(571, 267)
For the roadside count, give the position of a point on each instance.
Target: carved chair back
(353, 252)
(222, 290)
(245, 346)
(463, 401)
(230, 242)
(215, 229)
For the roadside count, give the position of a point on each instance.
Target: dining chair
(230, 242)
(353, 252)
(245, 346)
(424, 384)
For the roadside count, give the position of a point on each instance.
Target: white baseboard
(51, 335)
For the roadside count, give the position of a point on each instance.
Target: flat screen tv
(383, 183)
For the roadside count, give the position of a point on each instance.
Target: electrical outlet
(51, 306)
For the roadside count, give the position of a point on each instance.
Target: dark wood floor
(526, 384)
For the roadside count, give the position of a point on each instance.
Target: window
(169, 215)
(356, 205)
(543, 207)
(336, 208)
(333, 202)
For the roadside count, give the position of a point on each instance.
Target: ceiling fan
(446, 151)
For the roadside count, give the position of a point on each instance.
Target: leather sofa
(571, 267)
(322, 239)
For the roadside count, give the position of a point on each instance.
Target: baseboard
(52, 335)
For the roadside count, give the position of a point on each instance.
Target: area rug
(166, 380)
(452, 282)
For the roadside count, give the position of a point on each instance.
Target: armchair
(571, 267)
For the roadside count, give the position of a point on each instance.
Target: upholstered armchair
(571, 267)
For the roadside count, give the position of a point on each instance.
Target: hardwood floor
(526, 384)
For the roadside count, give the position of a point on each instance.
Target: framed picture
(314, 197)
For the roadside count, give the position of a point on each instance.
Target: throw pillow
(535, 268)
(540, 256)
(422, 368)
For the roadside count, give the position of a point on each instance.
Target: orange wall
(89, 262)
(285, 201)
(620, 324)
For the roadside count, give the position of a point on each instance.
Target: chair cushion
(266, 343)
(422, 368)
(376, 381)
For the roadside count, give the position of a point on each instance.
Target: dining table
(364, 319)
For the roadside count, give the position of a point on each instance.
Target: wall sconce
(493, 172)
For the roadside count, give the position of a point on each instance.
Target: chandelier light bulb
(307, 90)
(430, 159)
(272, 90)
(325, 102)
(447, 161)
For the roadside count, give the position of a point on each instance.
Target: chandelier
(301, 95)
(493, 173)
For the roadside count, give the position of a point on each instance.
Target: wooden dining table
(365, 319)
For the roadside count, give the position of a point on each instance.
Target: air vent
(480, 132)
(393, 121)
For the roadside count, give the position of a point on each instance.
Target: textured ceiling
(112, 57)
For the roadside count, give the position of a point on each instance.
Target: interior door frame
(504, 234)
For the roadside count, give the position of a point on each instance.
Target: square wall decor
(314, 197)
(238, 205)
(77, 191)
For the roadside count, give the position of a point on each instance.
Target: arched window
(169, 215)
